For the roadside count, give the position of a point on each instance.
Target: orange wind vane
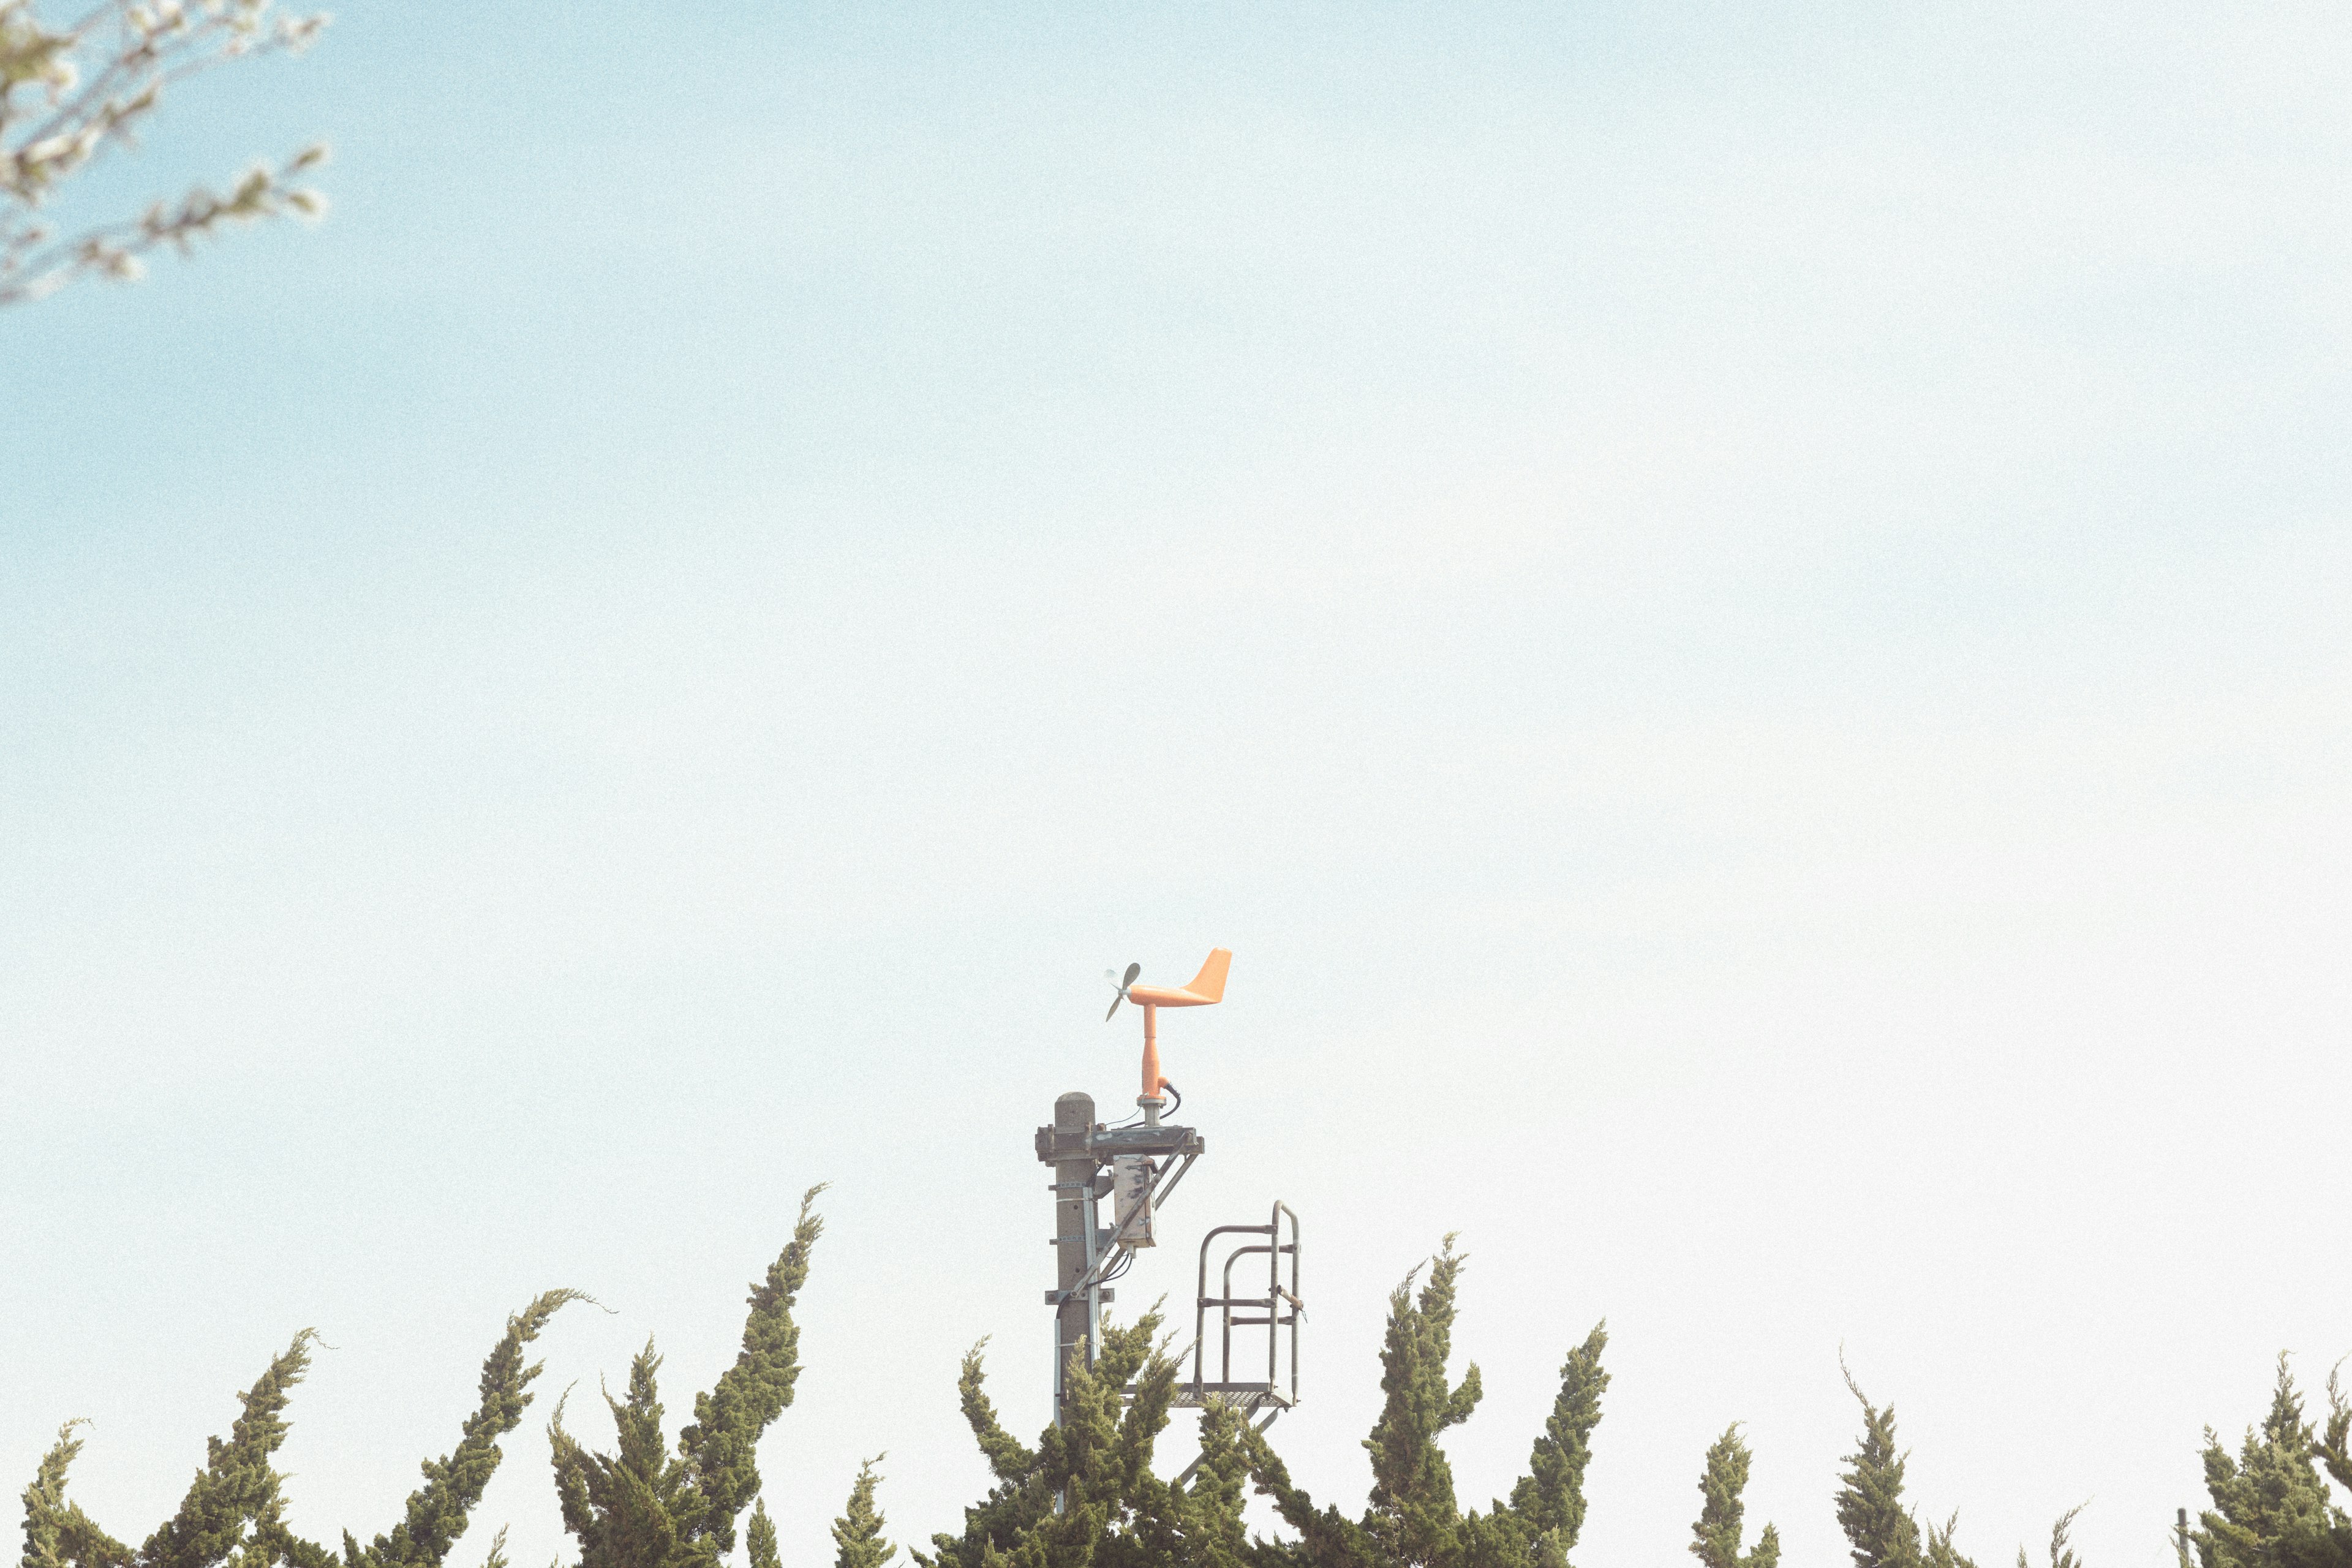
(1203, 990)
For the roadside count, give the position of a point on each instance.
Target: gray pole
(1074, 1181)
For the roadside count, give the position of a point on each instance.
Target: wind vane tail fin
(1209, 983)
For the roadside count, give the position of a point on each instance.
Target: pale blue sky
(1738, 613)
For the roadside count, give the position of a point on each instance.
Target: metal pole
(1073, 1235)
(1272, 1291)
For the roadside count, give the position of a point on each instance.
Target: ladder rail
(1272, 1304)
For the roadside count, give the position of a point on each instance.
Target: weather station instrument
(1136, 1164)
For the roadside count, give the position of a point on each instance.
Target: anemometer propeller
(1121, 984)
(1203, 990)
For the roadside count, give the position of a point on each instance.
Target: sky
(1737, 614)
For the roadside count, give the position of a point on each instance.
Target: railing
(1280, 1308)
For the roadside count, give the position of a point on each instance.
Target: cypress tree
(1880, 1527)
(1211, 1509)
(644, 1507)
(1870, 1508)
(437, 1512)
(1721, 1510)
(1941, 1553)
(2272, 1507)
(759, 1538)
(2335, 1445)
(858, 1533)
(1114, 1511)
(1550, 1497)
(234, 1511)
(1412, 1520)
(1413, 1517)
(56, 1532)
(2062, 1553)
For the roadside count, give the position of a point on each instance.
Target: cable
(1170, 1089)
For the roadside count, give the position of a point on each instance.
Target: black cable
(1170, 1089)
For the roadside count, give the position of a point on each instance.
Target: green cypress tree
(234, 1511)
(56, 1532)
(2272, 1507)
(1412, 1520)
(1550, 1497)
(1721, 1510)
(1880, 1527)
(644, 1507)
(2062, 1552)
(1939, 1551)
(858, 1533)
(1211, 1509)
(759, 1538)
(1870, 1508)
(2335, 1446)
(1114, 1512)
(1413, 1517)
(437, 1512)
(1020, 1496)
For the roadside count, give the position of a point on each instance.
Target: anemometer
(1207, 988)
(1137, 1166)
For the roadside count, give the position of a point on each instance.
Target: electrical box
(1131, 1177)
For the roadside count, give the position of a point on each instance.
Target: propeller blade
(1132, 971)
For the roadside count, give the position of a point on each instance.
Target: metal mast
(1087, 1158)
